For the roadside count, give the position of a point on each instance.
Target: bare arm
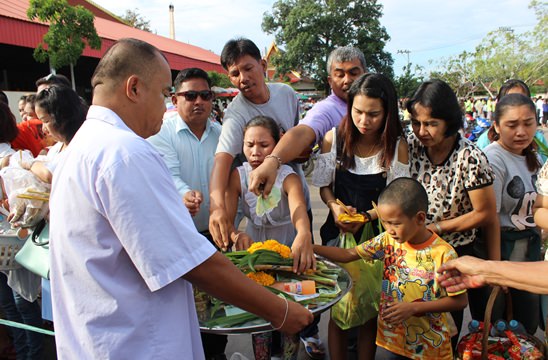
(303, 254)
(41, 171)
(337, 254)
(540, 211)
(470, 272)
(397, 312)
(219, 225)
(239, 239)
(290, 146)
(218, 277)
(484, 214)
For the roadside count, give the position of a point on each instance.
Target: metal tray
(259, 325)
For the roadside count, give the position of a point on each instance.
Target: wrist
(439, 230)
(330, 202)
(278, 160)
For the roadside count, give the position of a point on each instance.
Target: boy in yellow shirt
(413, 316)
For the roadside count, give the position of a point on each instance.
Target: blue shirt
(189, 159)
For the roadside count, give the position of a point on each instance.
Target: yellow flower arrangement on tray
(261, 278)
(271, 245)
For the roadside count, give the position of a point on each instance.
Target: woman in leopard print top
(457, 178)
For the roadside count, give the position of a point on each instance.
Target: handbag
(34, 255)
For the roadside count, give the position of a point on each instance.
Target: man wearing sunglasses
(187, 143)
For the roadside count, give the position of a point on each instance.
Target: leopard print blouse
(447, 185)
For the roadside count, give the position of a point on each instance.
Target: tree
(310, 29)
(500, 56)
(68, 27)
(219, 79)
(134, 19)
(408, 82)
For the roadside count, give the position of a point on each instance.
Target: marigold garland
(261, 278)
(271, 245)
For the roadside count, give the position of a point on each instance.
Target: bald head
(125, 58)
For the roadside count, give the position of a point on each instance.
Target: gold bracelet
(285, 316)
(279, 159)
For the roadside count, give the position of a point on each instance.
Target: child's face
(401, 227)
(367, 114)
(258, 143)
(516, 128)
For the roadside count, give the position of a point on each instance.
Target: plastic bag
(361, 303)
(24, 212)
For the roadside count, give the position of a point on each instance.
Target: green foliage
(219, 79)
(310, 29)
(408, 82)
(68, 27)
(134, 19)
(500, 56)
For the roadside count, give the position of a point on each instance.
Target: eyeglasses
(206, 95)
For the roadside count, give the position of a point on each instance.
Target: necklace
(364, 152)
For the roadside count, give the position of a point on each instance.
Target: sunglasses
(206, 95)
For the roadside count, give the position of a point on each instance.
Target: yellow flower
(271, 245)
(261, 278)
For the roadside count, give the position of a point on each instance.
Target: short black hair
(442, 101)
(190, 73)
(67, 110)
(53, 79)
(8, 124)
(236, 48)
(266, 122)
(408, 194)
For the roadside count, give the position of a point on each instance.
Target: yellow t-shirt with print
(410, 275)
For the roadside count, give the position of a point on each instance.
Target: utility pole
(405, 52)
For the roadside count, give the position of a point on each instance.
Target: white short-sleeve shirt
(120, 241)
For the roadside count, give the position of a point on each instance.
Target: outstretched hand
(303, 253)
(462, 273)
(263, 177)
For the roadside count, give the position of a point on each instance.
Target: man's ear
(133, 90)
(174, 99)
(264, 65)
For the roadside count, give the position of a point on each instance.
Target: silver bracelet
(285, 316)
(279, 159)
(438, 228)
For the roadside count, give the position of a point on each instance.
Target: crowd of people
(143, 203)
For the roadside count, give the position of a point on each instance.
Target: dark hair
(236, 48)
(125, 57)
(31, 98)
(406, 193)
(67, 110)
(513, 100)
(442, 101)
(511, 84)
(375, 86)
(53, 79)
(8, 124)
(267, 123)
(4, 98)
(190, 73)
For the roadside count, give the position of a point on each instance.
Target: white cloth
(324, 167)
(276, 224)
(121, 239)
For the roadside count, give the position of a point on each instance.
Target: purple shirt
(325, 115)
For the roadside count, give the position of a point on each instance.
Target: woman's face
(258, 143)
(48, 130)
(368, 114)
(516, 128)
(429, 131)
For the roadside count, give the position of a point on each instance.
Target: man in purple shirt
(344, 65)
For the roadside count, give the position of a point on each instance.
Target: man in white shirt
(124, 250)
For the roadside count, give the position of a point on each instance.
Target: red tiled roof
(23, 32)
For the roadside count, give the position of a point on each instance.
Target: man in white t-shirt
(124, 250)
(246, 69)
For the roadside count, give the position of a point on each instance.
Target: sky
(430, 30)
